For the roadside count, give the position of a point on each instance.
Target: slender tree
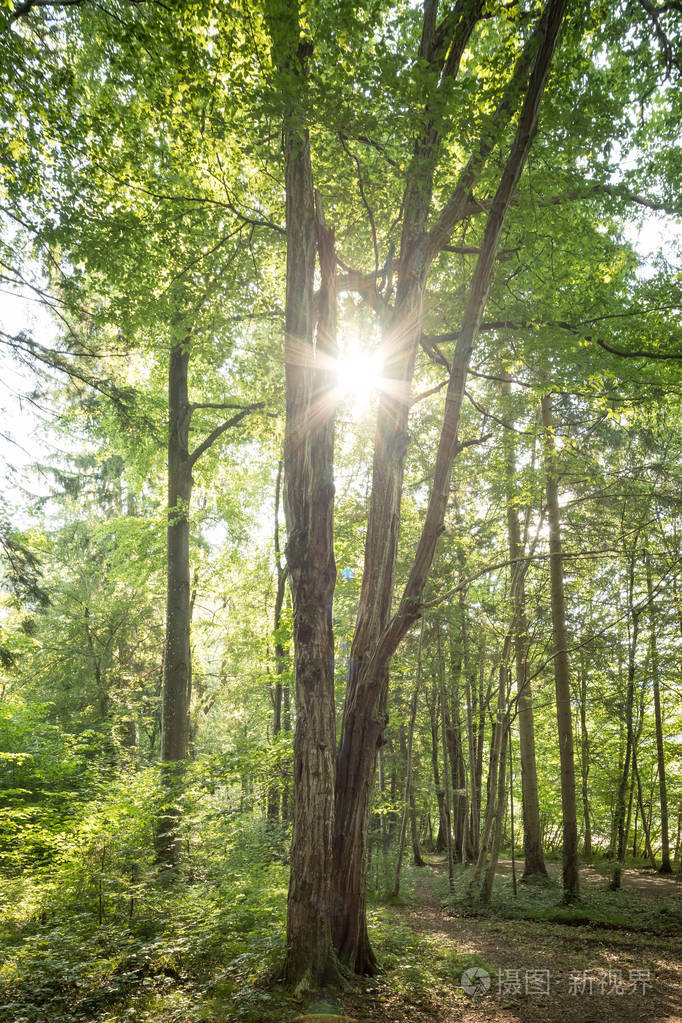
(666, 867)
(561, 666)
(534, 863)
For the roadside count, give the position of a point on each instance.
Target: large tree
(510, 127)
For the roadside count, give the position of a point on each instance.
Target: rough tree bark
(309, 505)
(309, 511)
(376, 637)
(177, 671)
(561, 667)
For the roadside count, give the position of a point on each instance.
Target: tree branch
(220, 430)
(616, 191)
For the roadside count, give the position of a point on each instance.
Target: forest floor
(196, 953)
(535, 970)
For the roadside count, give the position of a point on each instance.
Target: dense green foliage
(142, 203)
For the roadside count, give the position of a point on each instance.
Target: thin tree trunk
(493, 808)
(408, 771)
(534, 864)
(446, 766)
(440, 792)
(621, 819)
(456, 753)
(273, 809)
(631, 804)
(645, 823)
(666, 866)
(561, 667)
(498, 824)
(678, 839)
(472, 823)
(417, 857)
(511, 812)
(585, 765)
(381, 786)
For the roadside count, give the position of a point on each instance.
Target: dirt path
(537, 972)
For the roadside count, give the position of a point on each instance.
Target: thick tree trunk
(561, 667)
(309, 505)
(309, 510)
(666, 866)
(177, 674)
(376, 638)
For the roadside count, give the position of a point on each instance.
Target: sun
(359, 375)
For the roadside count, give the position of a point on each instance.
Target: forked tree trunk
(376, 637)
(561, 667)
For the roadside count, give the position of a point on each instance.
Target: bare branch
(220, 430)
(365, 201)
